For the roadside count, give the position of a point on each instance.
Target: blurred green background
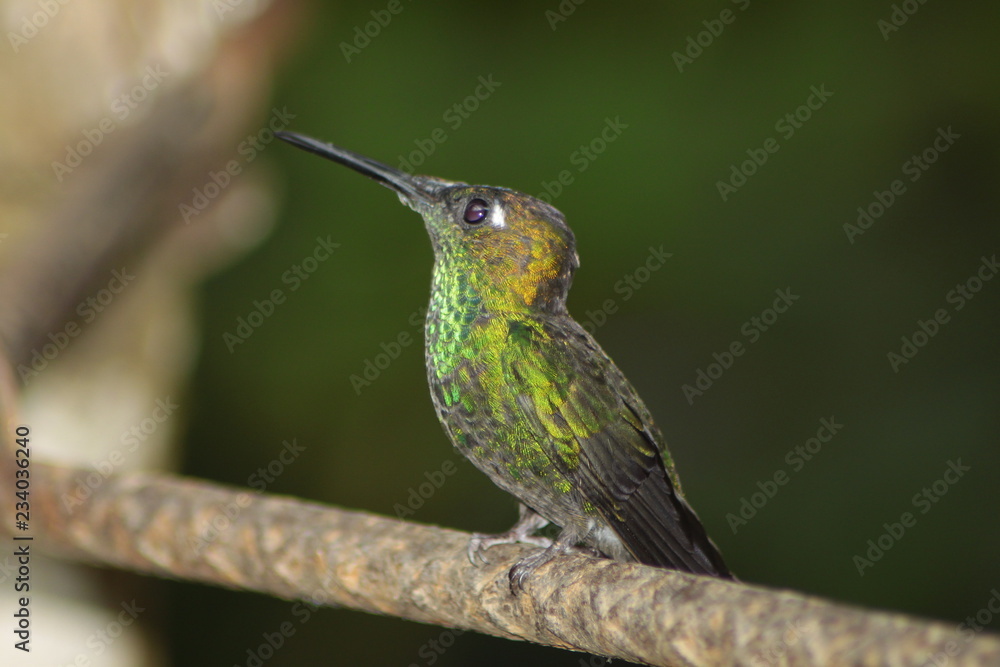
(654, 186)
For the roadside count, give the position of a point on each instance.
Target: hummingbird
(525, 392)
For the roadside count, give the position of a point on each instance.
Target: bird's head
(515, 251)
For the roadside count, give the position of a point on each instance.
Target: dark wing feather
(630, 487)
(620, 466)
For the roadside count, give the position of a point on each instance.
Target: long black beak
(414, 188)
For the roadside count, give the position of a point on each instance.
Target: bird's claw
(524, 568)
(476, 548)
(481, 542)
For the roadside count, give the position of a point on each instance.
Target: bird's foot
(525, 567)
(522, 533)
(481, 542)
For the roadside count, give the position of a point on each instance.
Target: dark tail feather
(659, 528)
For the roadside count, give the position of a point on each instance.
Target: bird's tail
(659, 528)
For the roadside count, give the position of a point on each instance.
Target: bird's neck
(461, 292)
(464, 300)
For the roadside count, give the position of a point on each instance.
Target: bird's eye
(476, 211)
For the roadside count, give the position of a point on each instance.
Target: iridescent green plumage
(525, 392)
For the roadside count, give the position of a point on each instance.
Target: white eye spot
(497, 216)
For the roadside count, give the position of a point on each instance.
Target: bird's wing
(597, 431)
